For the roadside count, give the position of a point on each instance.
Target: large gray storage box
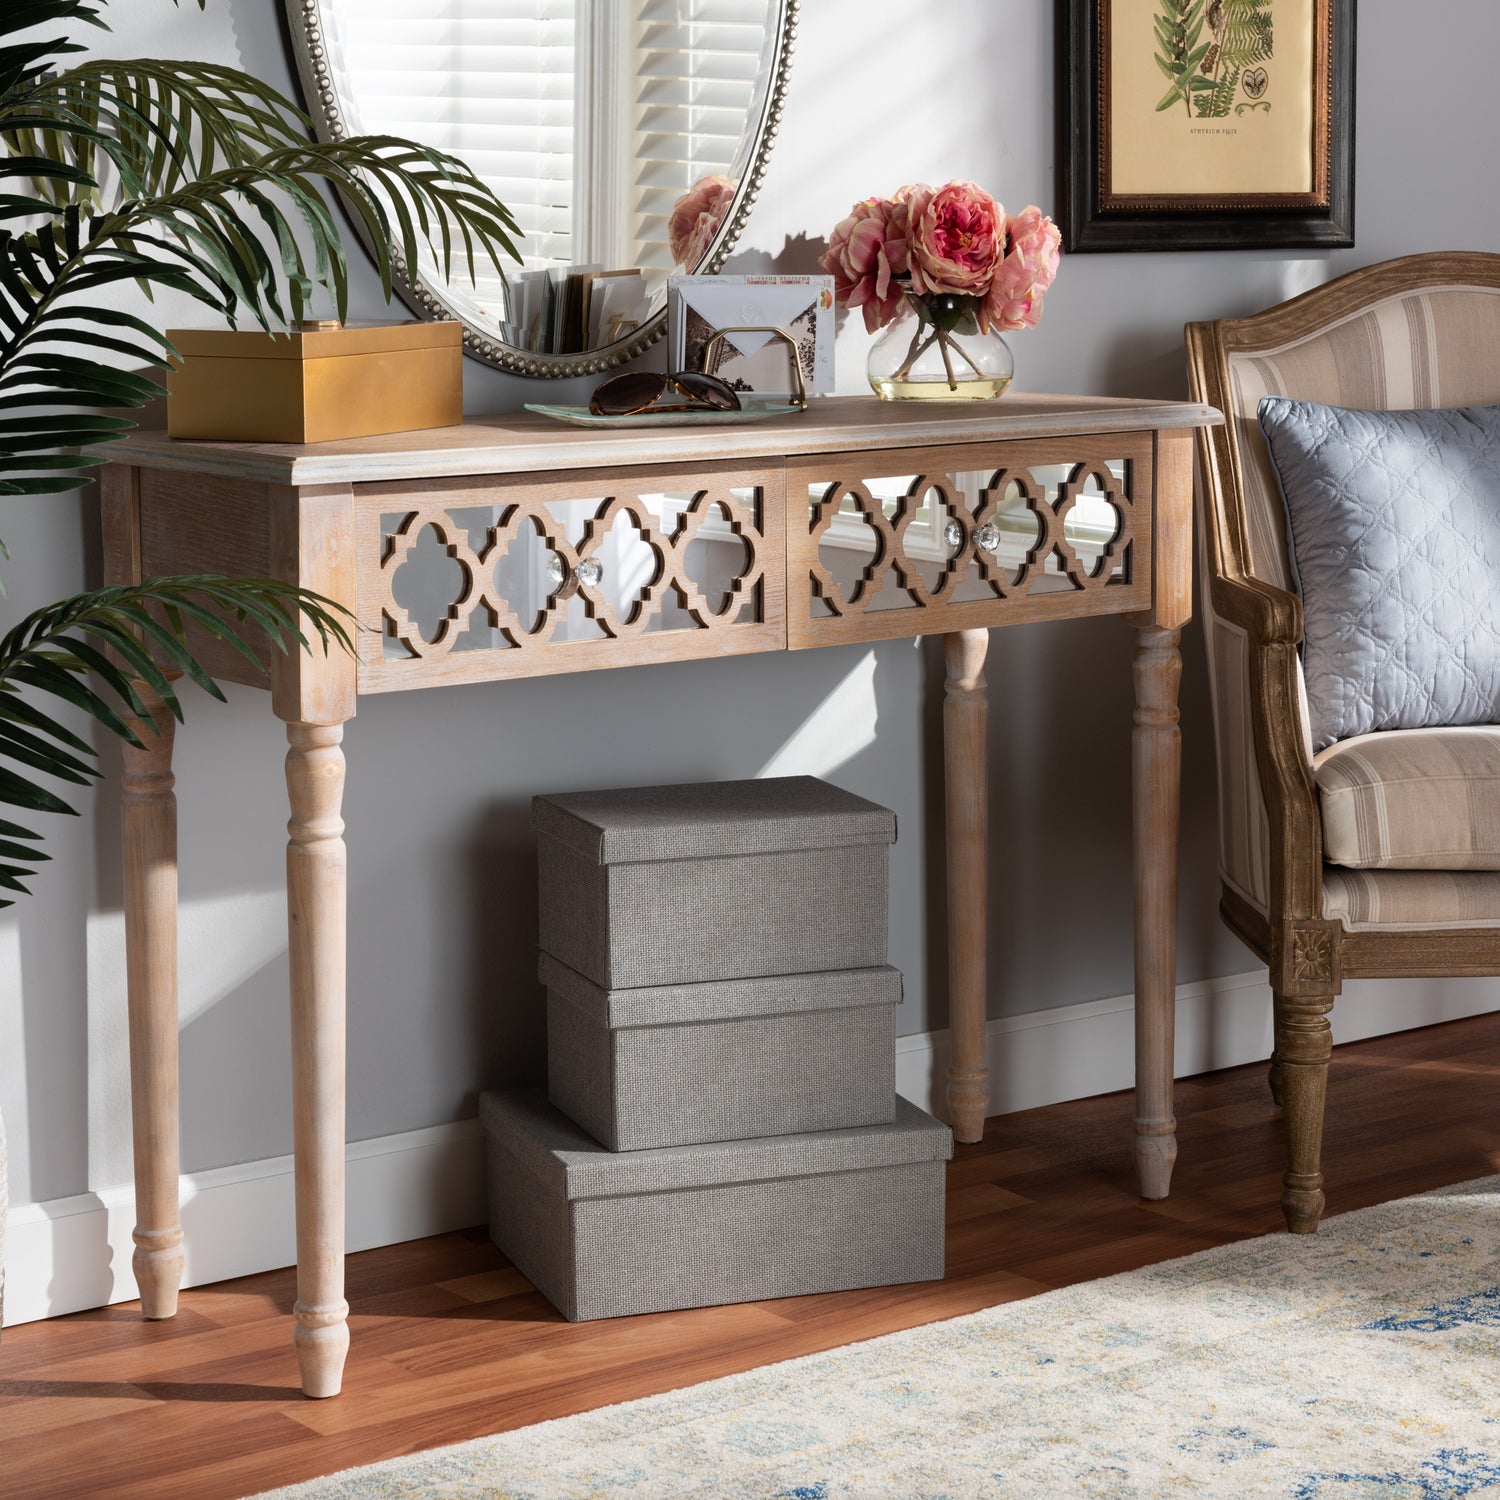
(723, 880)
(605, 1234)
(674, 1065)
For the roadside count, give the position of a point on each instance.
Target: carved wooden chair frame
(1309, 956)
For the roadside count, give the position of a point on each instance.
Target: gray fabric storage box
(604, 1234)
(721, 880)
(674, 1065)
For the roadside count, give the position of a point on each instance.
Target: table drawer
(923, 540)
(479, 579)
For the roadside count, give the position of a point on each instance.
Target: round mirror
(628, 138)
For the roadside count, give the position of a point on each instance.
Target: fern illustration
(1239, 34)
(1181, 50)
(1246, 38)
(1214, 105)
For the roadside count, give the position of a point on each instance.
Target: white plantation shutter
(489, 80)
(699, 78)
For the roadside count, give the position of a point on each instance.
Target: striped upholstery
(1412, 799)
(1411, 900)
(1429, 348)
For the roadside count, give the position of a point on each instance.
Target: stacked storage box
(721, 1122)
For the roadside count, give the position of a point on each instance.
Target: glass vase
(934, 351)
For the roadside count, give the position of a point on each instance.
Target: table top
(524, 442)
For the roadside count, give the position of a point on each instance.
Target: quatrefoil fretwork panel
(504, 576)
(967, 536)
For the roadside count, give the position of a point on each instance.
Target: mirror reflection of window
(491, 81)
(589, 118)
(695, 79)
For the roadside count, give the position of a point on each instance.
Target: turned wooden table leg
(316, 892)
(149, 827)
(1157, 764)
(966, 766)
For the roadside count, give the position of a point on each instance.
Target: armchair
(1321, 892)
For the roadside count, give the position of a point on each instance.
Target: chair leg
(1273, 1077)
(1304, 1041)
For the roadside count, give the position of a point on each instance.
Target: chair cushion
(1412, 799)
(1395, 526)
(1411, 900)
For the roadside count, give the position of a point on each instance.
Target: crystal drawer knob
(987, 538)
(556, 572)
(590, 571)
(953, 534)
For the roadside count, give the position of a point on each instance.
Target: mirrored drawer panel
(902, 543)
(478, 579)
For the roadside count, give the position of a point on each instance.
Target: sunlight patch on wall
(1298, 276)
(13, 1053)
(837, 730)
(221, 942)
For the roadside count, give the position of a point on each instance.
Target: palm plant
(182, 177)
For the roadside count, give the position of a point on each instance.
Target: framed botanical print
(1207, 124)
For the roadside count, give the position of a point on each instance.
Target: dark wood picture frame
(1094, 218)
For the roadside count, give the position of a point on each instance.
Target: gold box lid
(320, 340)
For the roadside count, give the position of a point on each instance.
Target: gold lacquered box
(320, 382)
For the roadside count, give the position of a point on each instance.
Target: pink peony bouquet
(963, 263)
(696, 218)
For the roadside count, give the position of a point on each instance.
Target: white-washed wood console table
(551, 549)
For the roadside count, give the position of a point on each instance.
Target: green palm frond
(91, 653)
(157, 124)
(187, 177)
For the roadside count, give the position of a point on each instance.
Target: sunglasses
(639, 390)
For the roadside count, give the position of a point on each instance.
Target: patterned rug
(1362, 1362)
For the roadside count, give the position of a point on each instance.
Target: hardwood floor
(450, 1342)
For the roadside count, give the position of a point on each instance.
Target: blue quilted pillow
(1395, 528)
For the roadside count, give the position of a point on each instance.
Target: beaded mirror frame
(430, 298)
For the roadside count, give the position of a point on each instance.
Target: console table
(579, 550)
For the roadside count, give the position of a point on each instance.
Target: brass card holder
(799, 390)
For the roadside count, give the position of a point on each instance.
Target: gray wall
(442, 997)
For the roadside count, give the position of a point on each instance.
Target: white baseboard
(74, 1253)
(1077, 1051)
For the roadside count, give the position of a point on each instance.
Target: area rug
(1361, 1362)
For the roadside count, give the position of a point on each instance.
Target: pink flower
(865, 255)
(957, 238)
(1029, 268)
(696, 218)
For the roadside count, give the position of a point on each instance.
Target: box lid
(710, 819)
(309, 343)
(720, 999)
(576, 1165)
